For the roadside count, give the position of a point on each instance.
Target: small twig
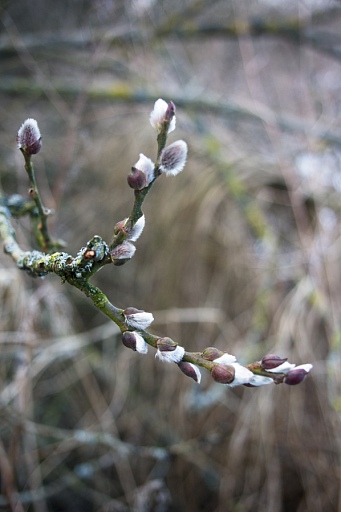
(42, 233)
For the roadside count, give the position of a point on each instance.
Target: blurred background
(241, 251)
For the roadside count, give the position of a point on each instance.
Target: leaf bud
(120, 227)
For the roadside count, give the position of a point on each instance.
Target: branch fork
(78, 270)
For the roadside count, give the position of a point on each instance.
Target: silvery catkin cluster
(77, 271)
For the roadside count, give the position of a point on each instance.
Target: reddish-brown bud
(137, 179)
(211, 353)
(223, 373)
(166, 344)
(271, 361)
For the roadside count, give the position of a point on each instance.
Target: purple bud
(271, 361)
(29, 138)
(146, 166)
(134, 341)
(297, 375)
(170, 111)
(137, 179)
(211, 353)
(190, 370)
(223, 373)
(129, 340)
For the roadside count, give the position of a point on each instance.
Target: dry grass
(241, 251)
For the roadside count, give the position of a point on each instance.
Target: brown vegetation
(241, 251)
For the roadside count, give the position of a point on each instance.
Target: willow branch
(78, 270)
(43, 237)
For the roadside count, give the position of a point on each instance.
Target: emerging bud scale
(136, 231)
(162, 112)
(171, 356)
(137, 318)
(124, 251)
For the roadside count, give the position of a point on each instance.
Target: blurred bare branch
(294, 29)
(241, 253)
(225, 108)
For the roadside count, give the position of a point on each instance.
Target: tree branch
(78, 270)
